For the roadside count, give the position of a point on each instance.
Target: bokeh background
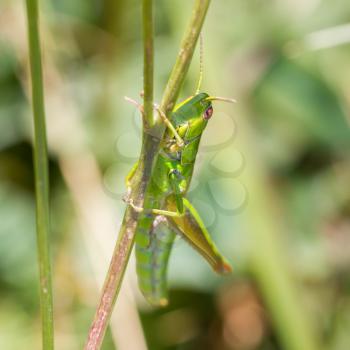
(272, 180)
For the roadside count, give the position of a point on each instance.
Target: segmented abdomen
(153, 245)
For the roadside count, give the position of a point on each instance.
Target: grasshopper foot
(130, 202)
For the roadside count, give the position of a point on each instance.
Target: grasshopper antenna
(218, 98)
(200, 63)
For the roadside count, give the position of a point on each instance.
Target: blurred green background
(272, 180)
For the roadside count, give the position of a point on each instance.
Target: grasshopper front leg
(153, 211)
(177, 182)
(170, 126)
(128, 178)
(165, 119)
(128, 182)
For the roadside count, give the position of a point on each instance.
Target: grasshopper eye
(208, 113)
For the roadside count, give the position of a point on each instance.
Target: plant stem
(41, 176)
(184, 57)
(148, 61)
(149, 151)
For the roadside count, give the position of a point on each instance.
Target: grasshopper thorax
(195, 107)
(191, 117)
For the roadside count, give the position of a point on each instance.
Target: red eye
(208, 113)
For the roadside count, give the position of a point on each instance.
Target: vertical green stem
(126, 236)
(41, 176)
(148, 61)
(268, 261)
(147, 158)
(184, 58)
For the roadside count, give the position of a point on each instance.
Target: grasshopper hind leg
(193, 230)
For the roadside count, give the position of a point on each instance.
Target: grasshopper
(167, 213)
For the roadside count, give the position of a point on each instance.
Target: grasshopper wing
(191, 227)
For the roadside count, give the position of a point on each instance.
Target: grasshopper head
(195, 112)
(192, 115)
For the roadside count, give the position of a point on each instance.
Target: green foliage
(295, 104)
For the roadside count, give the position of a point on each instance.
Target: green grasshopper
(167, 213)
